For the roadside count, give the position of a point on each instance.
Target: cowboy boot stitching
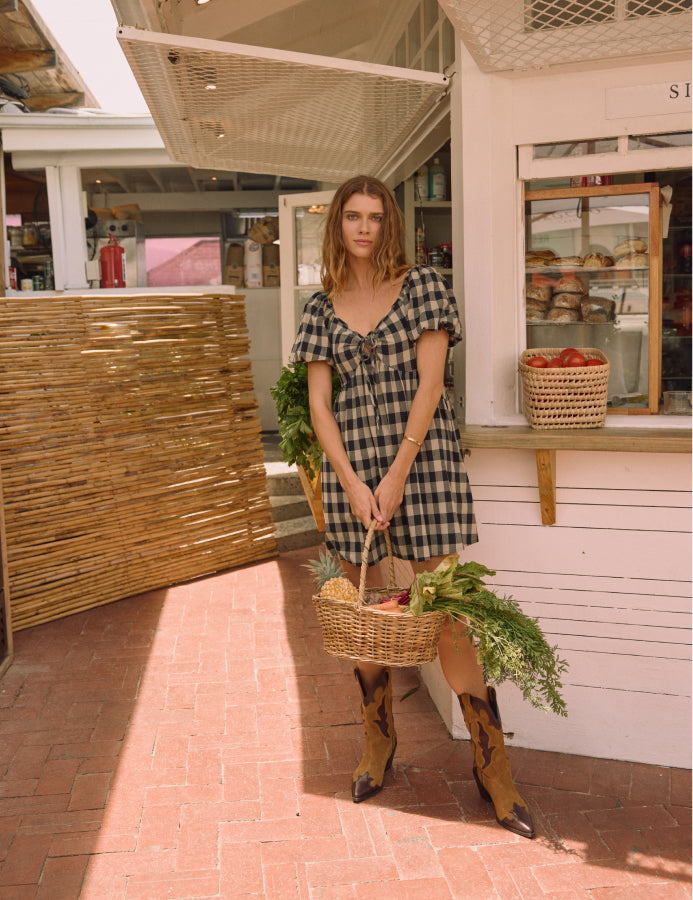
(491, 765)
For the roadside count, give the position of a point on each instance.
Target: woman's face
(362, 218)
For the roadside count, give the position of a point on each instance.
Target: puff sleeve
(312, 342)
(431, 305)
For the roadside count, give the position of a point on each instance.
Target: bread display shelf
(617, 230)
(558, 322)
(588, 270)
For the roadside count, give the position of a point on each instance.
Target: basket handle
(364, 560)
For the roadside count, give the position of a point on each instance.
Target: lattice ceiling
(229, 106)
(507, 35)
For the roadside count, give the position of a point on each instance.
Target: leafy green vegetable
(298, 444)
(509, 644)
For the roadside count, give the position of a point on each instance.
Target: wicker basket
(573, 397)
(358, 631)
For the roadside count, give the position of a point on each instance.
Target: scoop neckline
(373, 330)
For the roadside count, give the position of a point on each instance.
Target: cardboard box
(233, 274)
(270, 276)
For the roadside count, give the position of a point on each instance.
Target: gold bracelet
(408, 437)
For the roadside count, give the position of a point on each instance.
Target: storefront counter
(545, 443)
(626, 440)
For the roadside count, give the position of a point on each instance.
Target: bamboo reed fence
(130, 447)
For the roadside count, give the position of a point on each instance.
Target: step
(289, 506)
(294, 534)
(282, 479)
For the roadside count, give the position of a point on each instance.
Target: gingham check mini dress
(378, 382)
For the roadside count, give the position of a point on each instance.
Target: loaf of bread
(567, 261)
(539, 293)
(556, 314)
(543, 254)
(597, 261)
(634, 261)
(566, 301)
(632, 245)
(570, 284)
(597, 309)
(535, 261)
(535, 312)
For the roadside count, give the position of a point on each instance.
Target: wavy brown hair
(389, 257)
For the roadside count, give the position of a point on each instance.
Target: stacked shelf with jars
(428, 225)
(31, 259)
(428, 215)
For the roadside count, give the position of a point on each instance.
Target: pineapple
(330, 579)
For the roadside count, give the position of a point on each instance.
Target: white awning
(254, 109)
(521, 35)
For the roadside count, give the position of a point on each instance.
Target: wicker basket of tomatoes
(564, 388)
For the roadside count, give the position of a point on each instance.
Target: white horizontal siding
(610, 585)
(592, 513)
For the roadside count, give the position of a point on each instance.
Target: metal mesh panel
(275, 112)
(533, 34)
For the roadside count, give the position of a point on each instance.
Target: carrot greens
(510, 645)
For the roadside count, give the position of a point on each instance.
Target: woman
(392, 454)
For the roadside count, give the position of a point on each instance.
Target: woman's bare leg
(457, 656)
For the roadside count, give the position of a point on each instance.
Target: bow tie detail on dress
(369, 349)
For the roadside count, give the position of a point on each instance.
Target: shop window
(612, 299)
(575, 148)
(414, 34)
(431, 55)
(400, 55)
(428, 41)
(676, 294)
(656, 141)
(448, 43)
(430, 15)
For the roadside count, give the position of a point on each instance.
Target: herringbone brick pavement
(197, 742)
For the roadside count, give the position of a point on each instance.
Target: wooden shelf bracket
(546, 476)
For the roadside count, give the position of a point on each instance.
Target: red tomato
(555, 363)
(567, 352)
(575, 359)
(539, 362)
(594, 362)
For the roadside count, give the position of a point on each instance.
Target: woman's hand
(389, 495)
(365, 507)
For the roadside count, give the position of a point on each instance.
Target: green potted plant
(299, 445)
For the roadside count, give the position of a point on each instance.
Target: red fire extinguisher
(112, 264)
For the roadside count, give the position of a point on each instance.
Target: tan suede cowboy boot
(491, 765)
(381, 740)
